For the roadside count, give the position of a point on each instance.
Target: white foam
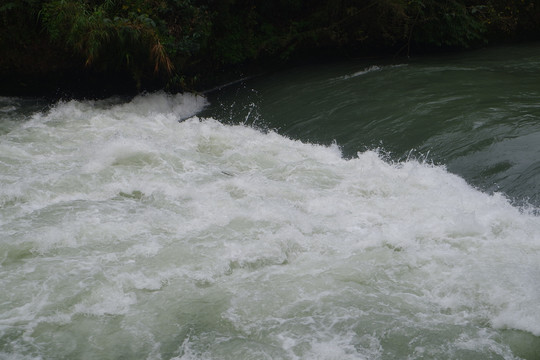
(117, 211)
(367, 70)
(106, 300)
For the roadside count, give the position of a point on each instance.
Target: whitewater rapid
(139, 230)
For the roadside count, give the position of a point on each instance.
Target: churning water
(149, 230)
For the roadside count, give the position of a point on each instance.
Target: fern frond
(160, 58)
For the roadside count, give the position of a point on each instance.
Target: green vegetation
(189, 44)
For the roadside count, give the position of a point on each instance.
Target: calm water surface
(383, 210)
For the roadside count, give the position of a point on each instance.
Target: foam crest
(370, 69)
(363, 72)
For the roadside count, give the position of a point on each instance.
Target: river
(353, 210)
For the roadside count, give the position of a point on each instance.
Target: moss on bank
(100, 47)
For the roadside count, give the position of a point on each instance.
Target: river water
(360, 210)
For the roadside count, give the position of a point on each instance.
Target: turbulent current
(162, 228)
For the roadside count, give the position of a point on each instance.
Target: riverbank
(94, 49)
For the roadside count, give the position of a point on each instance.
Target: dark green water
(477, 113)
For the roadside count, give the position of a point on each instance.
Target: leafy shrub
(107, 41)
